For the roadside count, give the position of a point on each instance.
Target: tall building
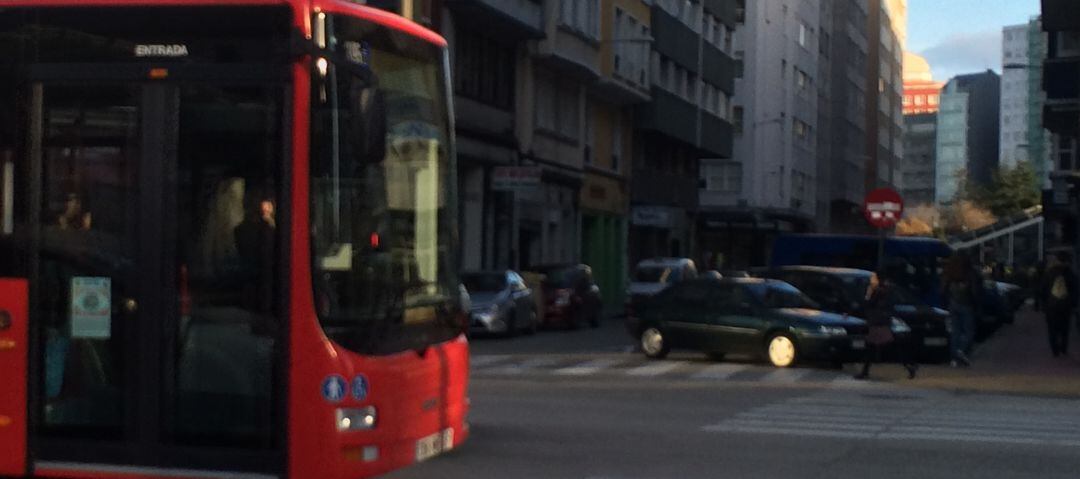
(769, 185)
(625, 26)
(688, 119)
(1061, 116)
(1039, 139)
(967, 136)
(1015, 95)
(921, 93)
(898, 14)
(922, 96)
(489, 44)
(917, 182)
(864, 124)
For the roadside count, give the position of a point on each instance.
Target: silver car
(501, 303)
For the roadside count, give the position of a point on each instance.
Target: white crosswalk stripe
(482, 361)
(654, 369)
(785, 375)
(587, 367)
(909, 415)
(720, 371)
(522, 367)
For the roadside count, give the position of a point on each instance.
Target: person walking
(962, 289)
(1059, 302)
(878, 313)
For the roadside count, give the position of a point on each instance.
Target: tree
(1011, 191)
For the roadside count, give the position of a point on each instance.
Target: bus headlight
(356, 419)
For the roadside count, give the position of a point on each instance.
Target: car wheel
(716, 356)
(534, 323)
(781, 350)
(653, 343)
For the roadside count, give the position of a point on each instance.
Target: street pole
(881, 250)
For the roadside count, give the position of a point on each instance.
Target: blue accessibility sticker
(360, 387)
(333, 388)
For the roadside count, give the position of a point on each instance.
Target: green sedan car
(746, 316)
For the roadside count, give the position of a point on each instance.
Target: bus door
(154, 266)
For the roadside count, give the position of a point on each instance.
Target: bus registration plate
(435, 444)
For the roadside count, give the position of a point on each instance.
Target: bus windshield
(382, 207)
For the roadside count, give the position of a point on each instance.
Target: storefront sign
(515, 178)
(91, 307)
(655, 216)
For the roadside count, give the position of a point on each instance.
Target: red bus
(227, 236)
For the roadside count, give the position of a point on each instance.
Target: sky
(963, 36)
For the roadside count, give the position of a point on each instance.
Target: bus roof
(374, 15)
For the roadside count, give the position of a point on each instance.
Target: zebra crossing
(912, 415)
(634, 366)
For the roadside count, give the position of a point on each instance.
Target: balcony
(653, 187)
(716, 136)
(718, 68)
(728, 11)
(669, 115)
(1060, 15)
(674, 39)
(516, 19)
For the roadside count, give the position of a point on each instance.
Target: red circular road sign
(883, 207)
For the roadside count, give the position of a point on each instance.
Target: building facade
(1061, 116)
(1015, 96)
(922, 96)
(967, 135)
(626, 28)
(862, 134)
(688, 119)
(918, 173)
(489, 41)
(768, 186)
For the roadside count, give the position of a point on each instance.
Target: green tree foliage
(1011, 191)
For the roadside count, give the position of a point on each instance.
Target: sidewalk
(1015, 360)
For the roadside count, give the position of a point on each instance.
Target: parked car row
(787, 314)
(505, 303)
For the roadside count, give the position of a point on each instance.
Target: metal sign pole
(881, 250)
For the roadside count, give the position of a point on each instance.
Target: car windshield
(652, 274)
(483, 282)
(777, 295)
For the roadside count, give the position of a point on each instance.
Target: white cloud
(969, 52)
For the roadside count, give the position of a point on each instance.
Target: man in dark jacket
(1059, 300)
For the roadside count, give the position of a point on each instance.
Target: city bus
(227, 236)
(915, 259)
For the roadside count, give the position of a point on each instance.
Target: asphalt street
(584, 405)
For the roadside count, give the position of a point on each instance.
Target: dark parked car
(571, 297)
(843, 291)
(501, 303)
(760, 317)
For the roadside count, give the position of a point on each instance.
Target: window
(783, 68)
(729, 39)
(616, 141)
(582, 16)
(381, 209)
(907, 100)
(589, 132)
(484, 70)
(802, 80)
(801, 129)
(802, 34)
(737, 119)
(920, 100)
(932, 99)
(739, 64)
(724, 177)
(722, 104)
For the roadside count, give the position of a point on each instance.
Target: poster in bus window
(91, 307)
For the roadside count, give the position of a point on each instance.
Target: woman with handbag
(878, 315)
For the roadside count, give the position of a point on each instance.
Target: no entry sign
(883, 207)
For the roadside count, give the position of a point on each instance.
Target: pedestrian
(881, 298)
(962, 291)
(1059, 301)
